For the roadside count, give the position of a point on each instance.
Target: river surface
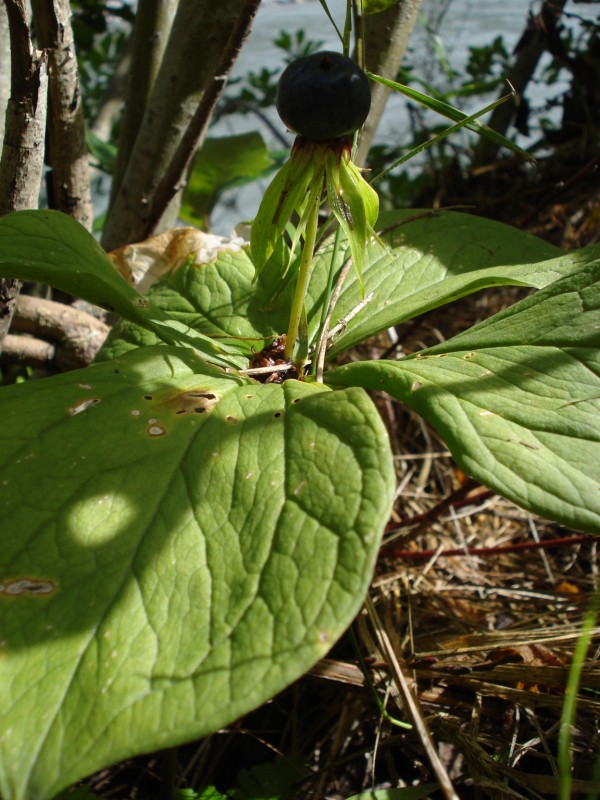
(464, 24)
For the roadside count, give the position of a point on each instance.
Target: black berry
(323, 96)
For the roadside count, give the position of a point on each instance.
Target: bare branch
(4, 66)
(528, 52)
(26, 351)
(23, 150)
(112, 102)
(178, 112)
(68, 155)
(78, 334)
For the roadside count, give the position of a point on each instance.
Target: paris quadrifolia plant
(191, 522)
(324, 98)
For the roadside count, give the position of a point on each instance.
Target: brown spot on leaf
(32, 587)
(529, 445)
(195, 401)
(83, 405)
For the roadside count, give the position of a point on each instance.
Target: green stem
(328, 290)
(310, 237)
(567, 719)
(371, 686)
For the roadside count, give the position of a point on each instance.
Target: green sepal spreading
(287, 193)
(354, 203)
(298, 186)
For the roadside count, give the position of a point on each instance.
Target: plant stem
(567, 719)
(310, 237)
(326, 309)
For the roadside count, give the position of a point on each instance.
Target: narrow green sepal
(355, 205)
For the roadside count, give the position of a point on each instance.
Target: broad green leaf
(210, 793)
(176, 546)
(222, 163)
(406, 793)
(428, 259)
(104, 152)
(276, 780)
(516, 398)
(51, 247)
(219, 297)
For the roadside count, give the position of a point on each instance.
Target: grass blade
(452, 113)
(447, 132)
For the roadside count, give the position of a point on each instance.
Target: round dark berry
(323, 96)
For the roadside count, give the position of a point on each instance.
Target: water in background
(465, 24)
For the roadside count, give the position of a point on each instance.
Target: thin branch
(27, 351)
(22, 159)
(528, 52)
(76, 336)
(113, 99)
(412, 704)
(4, 66)
(67, 150)
(322, 343)
(23, 151)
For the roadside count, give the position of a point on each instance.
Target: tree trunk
(153, 21)
(197, 60)
(387, 34)
(25, 123)
(67, 149)
(4, 66)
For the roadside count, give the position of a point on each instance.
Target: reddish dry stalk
(485, 551)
